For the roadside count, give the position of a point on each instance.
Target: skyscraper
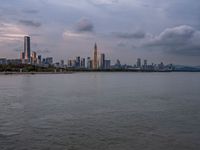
(82, 62)
(27, 48)
(95, 60)
(139, 63)
(78, 61)
(102, 61)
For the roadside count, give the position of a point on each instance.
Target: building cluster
(28, 57)
(97, 62)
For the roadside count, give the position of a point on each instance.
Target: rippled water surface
(100, 111)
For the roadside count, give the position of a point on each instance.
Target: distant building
(62, 63)
(118, 64)
(138, 63)
(71, 63)
(49, 60)
(145, 66)
(27, 49)
(107, 64)
(22, 55)
(89, 65)
(3, 61)
(82, 62)
(34, 58)
(95, 59)
(102, 61)
(14, 61)
(39, 59)
(78, 62)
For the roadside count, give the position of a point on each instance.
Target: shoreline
(71, 72)
(32, 73)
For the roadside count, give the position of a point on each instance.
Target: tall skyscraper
(95, 60)
(27, 48)
(102, 61)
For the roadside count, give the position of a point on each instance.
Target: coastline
(71, 72)
(32, 73)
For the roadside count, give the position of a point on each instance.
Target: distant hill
(187, 68)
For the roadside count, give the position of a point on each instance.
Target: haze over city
(155, 30)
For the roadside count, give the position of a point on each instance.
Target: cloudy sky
(157, 30)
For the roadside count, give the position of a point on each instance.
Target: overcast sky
(156, 30)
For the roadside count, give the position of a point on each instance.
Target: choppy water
(100, 111)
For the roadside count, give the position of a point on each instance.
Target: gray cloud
(103, 2)
(33, 11)
(45, 51)
(182, 40)
(135, 35)
(30, 23)
(84, 25)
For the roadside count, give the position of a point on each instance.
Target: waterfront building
(145, 66)
(102, 61)
(118, 64)
(22, 55)
(107, 64)
(3, 61)
(82, 62)
(95, 59)
(39, 59)
(49, 60)
(33, 57)
(78, 62)
(27, 49)
(138, 63)
(89, 65)
(62, 63)
(14, 61)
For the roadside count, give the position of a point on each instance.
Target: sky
(156, 30)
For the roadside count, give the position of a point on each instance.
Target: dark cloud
(30, 23)
(178, 40)
(135, 35)
(84, 25)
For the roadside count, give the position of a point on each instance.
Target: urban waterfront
(95, 111)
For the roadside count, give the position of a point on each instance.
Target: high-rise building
(138, 63)
(89, 63)
(22, 55)
(39, 59)
(62, 63)
(102, 61)
(34, 57)
(118, 64)
(95, 59)
(107, 64)
(78, 61)
(145, 64)
(49, 61)
(27, 48)
(82, 62)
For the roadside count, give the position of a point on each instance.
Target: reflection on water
(88, 111)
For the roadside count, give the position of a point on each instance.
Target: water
(100, 111)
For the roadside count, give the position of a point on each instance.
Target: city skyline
(156, 31)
